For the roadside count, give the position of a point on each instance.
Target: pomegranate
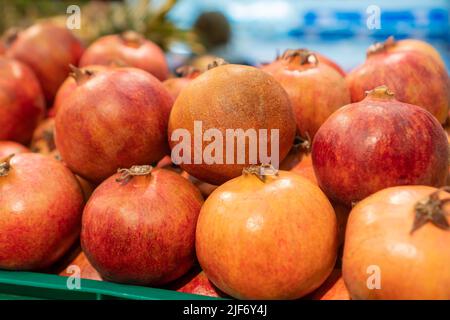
(113, 119)
(175, 85)
(49, 50)
(377, 143)
(8, 148)
(43, 140)
(316, 90)
(196, 282)
(333, 288)
(70, 84)
(21, 100)
(396, 245)
(129, 48)
(415, 77)
(280, 61)
(40, 211)
(267, 235)
(253, 103)
(139, 226)
(81, 264)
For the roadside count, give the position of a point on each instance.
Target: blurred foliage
(99, 18)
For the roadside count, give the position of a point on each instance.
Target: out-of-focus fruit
(8, 148)
(40, 211)
(129, 48)
(43, 140)
(21, 100)
(396, 246)
(267, 235)
(415, 77)
(378, 143)
(48, 50)
(196, 282)
(139, 226)
(175, 85)
(70, 84)
(115, 118)
(81, 266)
(332, 289)
(316, 90)
(231, 97)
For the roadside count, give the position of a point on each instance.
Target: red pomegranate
(415, 77)
(70, 84)
(43, 140)
(279, 61)
(129, 48)
(267, 235)
(49, 50)
(113, 119)
(40, 211)
(175, 85)
(229, 98)
(21, 100)
(139, 226)
(8, 148)
(316, 90)
(377, 143)
(196, 282)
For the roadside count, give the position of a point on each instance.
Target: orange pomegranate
(175, 85)
(267, 235)
(332, 289)
(397, 245)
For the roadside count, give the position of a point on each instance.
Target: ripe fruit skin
(8, 148)
(43, 140)
(48, 50)
(316, 90)
(267, 240)
(143, 231)
(232, 97)
(378, 143)
(197, 283)
(332, 289)
(175, 85)
(70, 84)
(115, 119)
(87, 271)
(21, 100)
(130, 49)
(412, 266)
(415, 77)
(40, 212)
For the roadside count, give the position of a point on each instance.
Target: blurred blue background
(338, 29)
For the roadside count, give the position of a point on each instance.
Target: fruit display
(289, 180)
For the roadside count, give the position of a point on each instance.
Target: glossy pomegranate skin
(21, 99)
(409, 265)
(143, 231)
(48, 50)
(378, 143)
(8, 148)
(267, 240)
(115, 119)
(232, 97)
(415, 78)
(40, 212)
(135, 52)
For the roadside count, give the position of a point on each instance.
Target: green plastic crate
(38, 286)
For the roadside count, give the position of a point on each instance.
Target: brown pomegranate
(48, 50)
(139, 226)
(113, 119)
(378, 143)
(415, 77)
(8, 148)
(175, 85)
(129, 48)
(21, 100)
(396, 246)
(254, 241)
(40, 211)
(224, 98)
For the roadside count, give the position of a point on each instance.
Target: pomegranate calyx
(380, 46)
(431, 209)
(305, 56)
(5, 165)
(10, 36)
(303, 144)
(127, 174)
(380, 92)
(217, 63)
(80, 75)
(131, 38)
(261, 171)
(187, 71)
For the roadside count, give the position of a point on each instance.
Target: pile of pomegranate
(350, 200)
